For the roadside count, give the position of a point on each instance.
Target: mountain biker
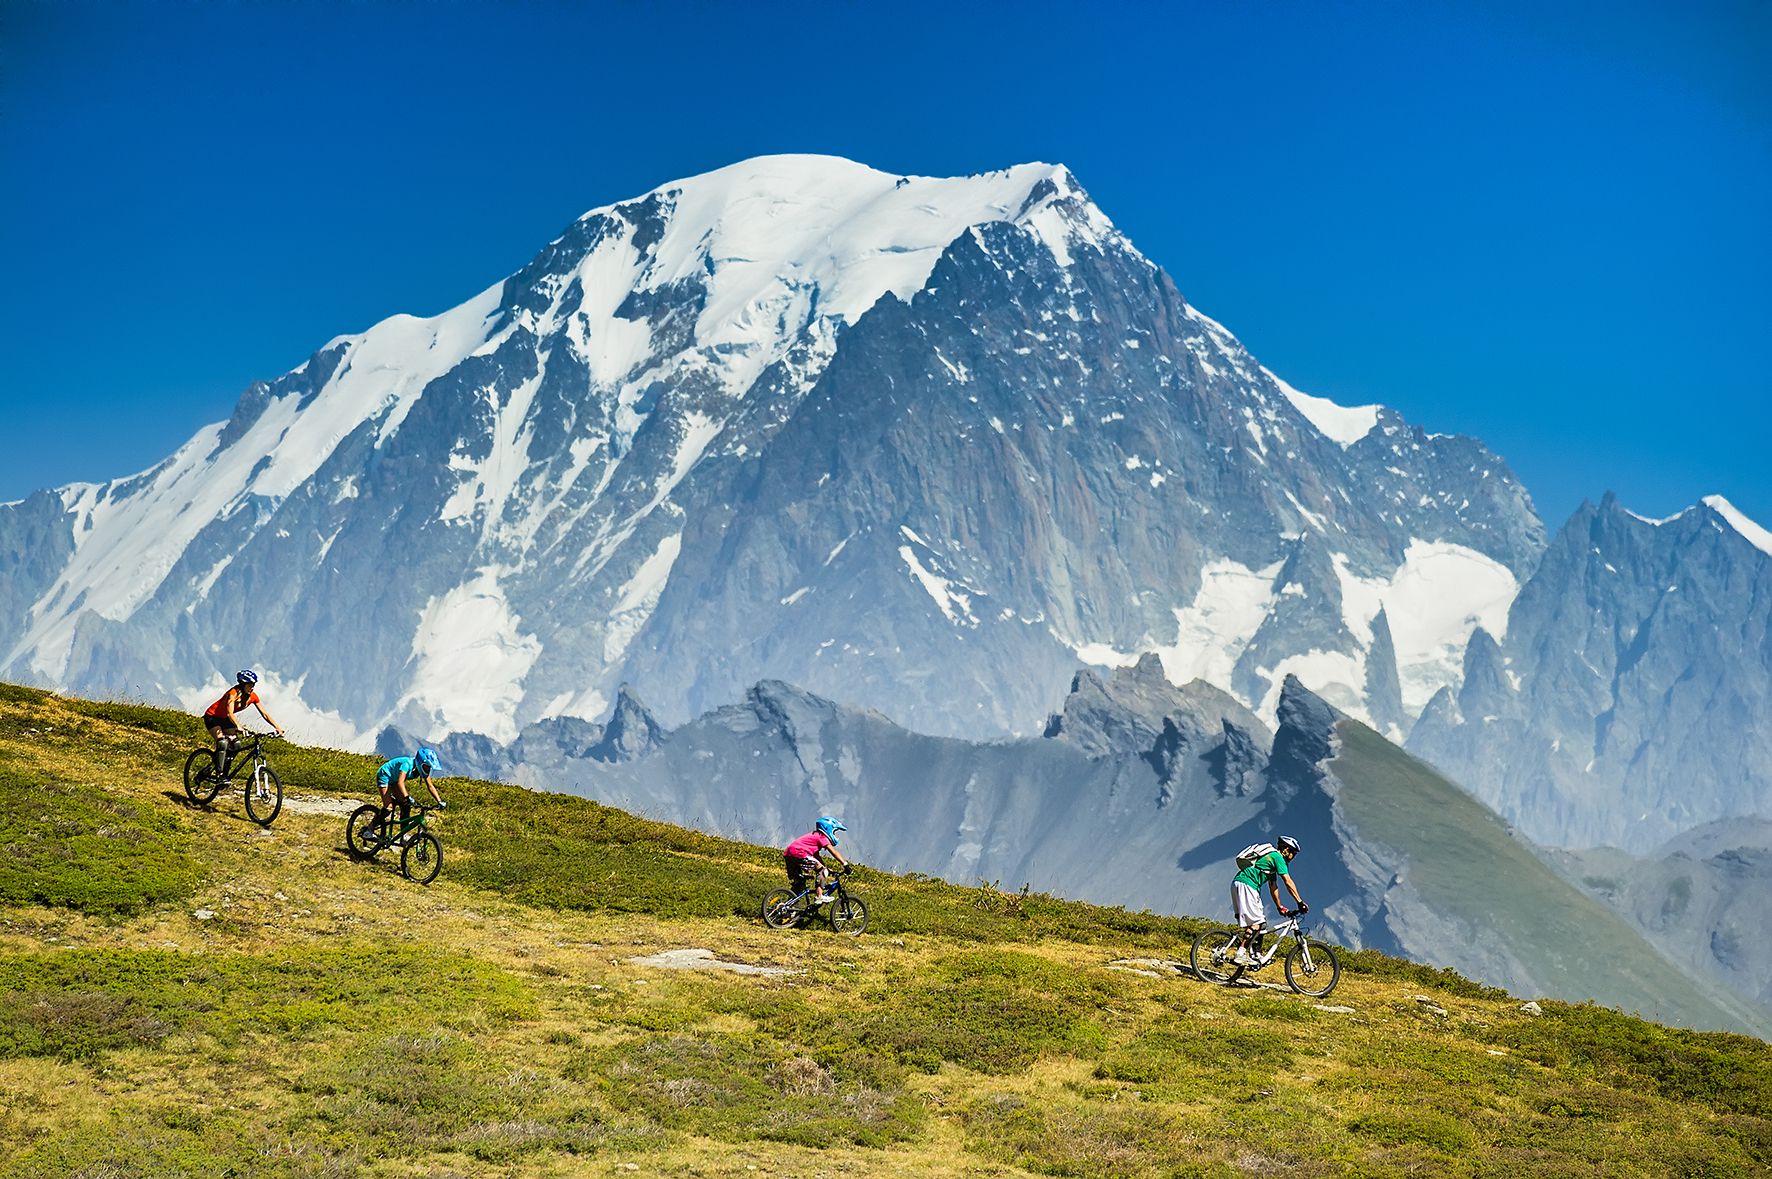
(393, 775)
(802, 857)
(1269, 868)
(218, 718)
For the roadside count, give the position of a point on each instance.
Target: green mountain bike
(421, 852)
(204, 776)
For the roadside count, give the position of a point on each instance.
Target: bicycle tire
(849, 915)
(422, 858)
(264, 796)
(201, 782)
(359, 836)
(1208, 957)
(1320, 978)
(780, 910)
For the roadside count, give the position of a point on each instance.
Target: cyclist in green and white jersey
(1269, 868)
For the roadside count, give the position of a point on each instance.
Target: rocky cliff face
(1626, 703)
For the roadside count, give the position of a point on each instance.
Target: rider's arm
(398, 785)
(268, 720)
(1291, 888)
(432, 787)
(839, 856)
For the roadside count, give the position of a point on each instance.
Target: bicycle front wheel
(360, 833)
(1312, 969)
(849, 915)
(422, 858)
(202, 783)
(780, 910)
(1211, 957)
(264, 795)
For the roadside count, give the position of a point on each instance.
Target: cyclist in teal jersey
(393, 776)
(1269, 868)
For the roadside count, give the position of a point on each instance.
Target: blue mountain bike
(784, 908)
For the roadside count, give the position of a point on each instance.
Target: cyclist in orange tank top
(218, 718)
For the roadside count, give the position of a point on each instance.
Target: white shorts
(1246, 904)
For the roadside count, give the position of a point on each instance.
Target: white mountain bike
(1311, 967)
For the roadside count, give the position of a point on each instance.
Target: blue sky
(1544, 224)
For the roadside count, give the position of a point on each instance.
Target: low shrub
(81, 1004)
(1090, 1140)
(991, 1011)
(739, 1088)
(77, 847)
(1719, 1070)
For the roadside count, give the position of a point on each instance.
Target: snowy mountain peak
(678, 444)
(1753, 533)
(1344, 424)
(830, 226)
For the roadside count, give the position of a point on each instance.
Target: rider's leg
(1255, 933)
(224, 749)
(1246, 905)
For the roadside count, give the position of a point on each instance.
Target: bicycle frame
(240, 754)
(1279, 933)
(416, 821)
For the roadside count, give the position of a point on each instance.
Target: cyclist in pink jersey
(802, 857)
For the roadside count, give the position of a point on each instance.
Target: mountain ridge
(1139, 794)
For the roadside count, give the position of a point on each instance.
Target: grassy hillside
(182, 993)
(1468, 868)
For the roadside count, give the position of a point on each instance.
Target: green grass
(81, 1004)
(79, 847)
(737, 1088)
(334, 1020)
(995, 1011)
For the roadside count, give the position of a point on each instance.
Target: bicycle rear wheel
(422, 858)
(849, 915)
(264, 795)
(1211, 957)
(360, 834)
(781, 909)
(1312, 969)
(202, 783)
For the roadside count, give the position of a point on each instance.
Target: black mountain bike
(204, 778)
(421, 853)
(784, 908)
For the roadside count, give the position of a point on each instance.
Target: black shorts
(801, 870)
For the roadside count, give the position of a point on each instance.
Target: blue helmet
(247, 677)
(426, 759)
(830, 827)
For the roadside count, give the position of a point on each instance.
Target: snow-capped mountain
(916, 444)
(1626, 701)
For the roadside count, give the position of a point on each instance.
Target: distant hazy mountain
(1701, 898)
(1629, 699)
(1140, 794)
